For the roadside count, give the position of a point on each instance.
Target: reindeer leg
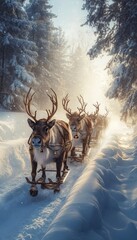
(43, 174)
(33, 189)
(58, 173)
(65, 161)
(34, 169)
(89, 139)
(73, 154)
(85, 146)
(58, 166)
(43, 177)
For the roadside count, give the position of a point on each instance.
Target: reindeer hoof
(56, 190)
(61, 180)
(33, 191)
(41, 180)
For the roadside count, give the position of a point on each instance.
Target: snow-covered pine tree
(114, 23)
(42, 33)
(60, 59)
(17, 54)
(53, 61)
(78, 70)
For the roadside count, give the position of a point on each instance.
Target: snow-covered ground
(98, 201)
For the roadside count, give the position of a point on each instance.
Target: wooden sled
(51, 185)
(78, 157)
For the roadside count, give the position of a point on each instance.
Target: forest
(114, 23)
(73, 177)
(34, 53)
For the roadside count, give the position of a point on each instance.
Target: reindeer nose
(36, 141)
(76, 136)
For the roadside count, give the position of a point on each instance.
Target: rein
(51, 146)
(89, 128)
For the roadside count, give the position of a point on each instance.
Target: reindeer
(104, 119)
(50, 141)
(80, 124)
(100, 121)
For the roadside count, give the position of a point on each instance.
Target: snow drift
(102, 203)
(98, 201)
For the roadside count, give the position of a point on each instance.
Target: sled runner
(78, 156)
(93, 142)
(51, 185)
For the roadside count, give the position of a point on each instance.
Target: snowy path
(22, 216)
(97, 201)
(103, 202)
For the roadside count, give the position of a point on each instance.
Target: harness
(88, 127)
(67, 144)
(55, 148)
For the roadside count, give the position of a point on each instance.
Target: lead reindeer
(80, 124)
(50, 141)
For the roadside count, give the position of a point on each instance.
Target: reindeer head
(41, 128)
(75, 118)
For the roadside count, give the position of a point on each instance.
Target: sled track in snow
(33, 215)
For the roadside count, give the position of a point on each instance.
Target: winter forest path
(23, 217)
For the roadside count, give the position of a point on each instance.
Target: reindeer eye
(45, 129)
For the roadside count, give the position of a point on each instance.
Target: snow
(98, 201)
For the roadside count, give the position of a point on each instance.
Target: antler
(83, 105)
(54, 101)
(27, 101)
(97, 108)
(65, 102)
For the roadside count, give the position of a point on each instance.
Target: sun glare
(95, 85)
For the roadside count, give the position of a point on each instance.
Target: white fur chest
(42, 158)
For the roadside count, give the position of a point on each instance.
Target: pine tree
(39, 12)
(17, 54)
(114, 23)
(60, 66)
(53, 60)
(78, 70)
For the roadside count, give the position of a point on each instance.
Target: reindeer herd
(54, 140)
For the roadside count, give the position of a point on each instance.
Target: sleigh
(50, 184)
(78, 156)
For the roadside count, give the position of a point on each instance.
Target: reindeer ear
(81, 117)
(31, 123)
(51, 123)
(68, 115)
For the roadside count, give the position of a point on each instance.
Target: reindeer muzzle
(36, 141)
(76, 136)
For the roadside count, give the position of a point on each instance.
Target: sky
(70, 17)
(98, 200)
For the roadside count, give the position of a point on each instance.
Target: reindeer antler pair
(50, 113)
(65, 102)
